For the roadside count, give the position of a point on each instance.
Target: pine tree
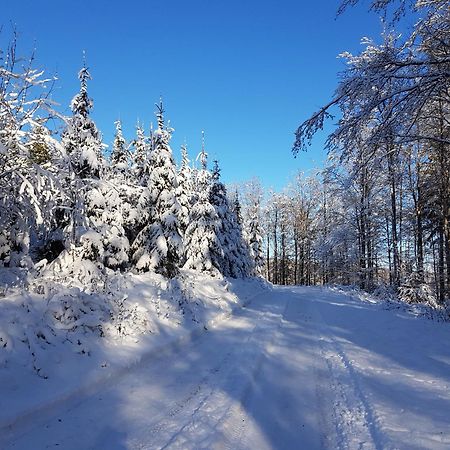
(81, 139)
(203, 249)
(37, 144)
(159, 245)
(119, 155)
(236, 259)
(83, 143)
(254, 237)
(140, 155)
(184, 191)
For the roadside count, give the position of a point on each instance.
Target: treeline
(66, 209)
(380, 212)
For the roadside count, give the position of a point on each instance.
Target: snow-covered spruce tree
(120, 154)
(85, 233)
(140, 156)
(255, 240)
(38, 149)
(414, 290)
(235, 260)
(52, 169)
(245, 266)
(159, 245)
(136, 212)
(203, 249)
(252, 194)
(184, 190)
(106, 202)
(81, 139)
(237, 208)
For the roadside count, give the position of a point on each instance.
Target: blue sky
(246, 72)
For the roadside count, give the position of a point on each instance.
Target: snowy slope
(297, 368)
(59, 342)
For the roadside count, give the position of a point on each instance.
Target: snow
(298, 367)
(50, 344)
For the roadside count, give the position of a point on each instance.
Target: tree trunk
(394, 217)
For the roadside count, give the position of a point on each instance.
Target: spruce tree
(254, 238)
(38, 148)
(236, 261)
(159, 245)
(83, 144)
(184, 191)
(119, 155)
(204, 251)
(81, 139)
(140, 155)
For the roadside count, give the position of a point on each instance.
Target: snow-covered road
(298, 368)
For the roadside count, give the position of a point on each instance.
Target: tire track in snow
(244, 435)
(220, 409)
(192, 401)
(354, 418)
(237, 420)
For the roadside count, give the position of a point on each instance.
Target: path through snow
(298, 368)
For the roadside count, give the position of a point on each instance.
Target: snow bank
(59, 340)
(385, 298)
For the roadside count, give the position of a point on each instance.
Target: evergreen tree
(38, 148)
(140, 156)
(184, 191)
(203, 249)
(236, 259)
(159, 246)
(81, 139)
(119, 155)
(237, 208)
(254, 237)
(136, 195)
(83, 144)
(104, 208)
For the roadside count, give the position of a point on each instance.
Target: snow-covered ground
(60, 341)
(296, 368)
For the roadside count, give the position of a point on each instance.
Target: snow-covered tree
(184, 190)
(81, 139)
(38, 148)
(235, 259)
(255, 240)
(119, 155)
(252, 194)
(237, 208)
(159, 245)
(203, 248)
(140, 156)
(105, 211)
(83, 144)
(29, 186)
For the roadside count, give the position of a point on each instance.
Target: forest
(68, 208)
(149, 300)
(378, 215)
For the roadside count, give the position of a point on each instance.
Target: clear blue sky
(246, 72)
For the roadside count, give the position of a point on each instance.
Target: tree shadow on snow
(257, 381)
